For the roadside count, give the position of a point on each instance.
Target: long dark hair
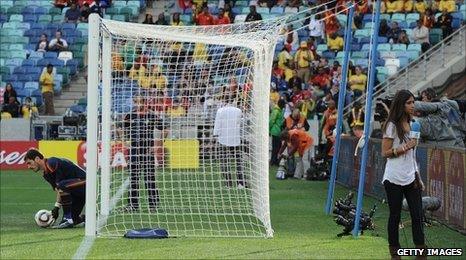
(397, 113)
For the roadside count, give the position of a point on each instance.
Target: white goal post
(188, 106)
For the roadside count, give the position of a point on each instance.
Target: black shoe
(65, 223)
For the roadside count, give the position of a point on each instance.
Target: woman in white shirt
(401, 176)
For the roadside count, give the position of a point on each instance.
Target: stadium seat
(412, 55)
(413, 17)
(414, 47)
(291, 10)
(16, 18)
(360, 55)
(328, 54)
(398, 17)
(399, 47)
(321, 48)
(277, 10)
(31, 85)
(28, 63)
(368, 25)
(355, 47)
(435, 36)
(361, 33)
(384, 47)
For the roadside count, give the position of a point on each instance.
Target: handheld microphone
(415, 132)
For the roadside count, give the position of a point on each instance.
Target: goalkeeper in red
(69, 182)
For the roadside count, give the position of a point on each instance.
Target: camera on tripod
(345, 213)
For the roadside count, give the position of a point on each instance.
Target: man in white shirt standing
(316, 29)
(421, 35)
(227, 129)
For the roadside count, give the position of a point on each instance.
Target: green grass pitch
(302, 230)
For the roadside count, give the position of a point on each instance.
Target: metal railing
(419, 69)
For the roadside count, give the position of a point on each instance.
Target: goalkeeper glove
(55, 210)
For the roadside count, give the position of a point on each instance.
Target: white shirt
(316, 28)
(399, 170)
(421, 35)
(227, 125)
(54, 41)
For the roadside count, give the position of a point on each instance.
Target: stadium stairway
(432, 69)
(72, 94)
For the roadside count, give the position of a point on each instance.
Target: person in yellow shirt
(289, 71)
(46, 84)
(176, 110)
(28, 109)
(159, 80)
(447, 5)
(420, 6)
(391, 6)
(408, 6)
(302, 59)
(358, 82)
(335, 42)
(200, 52)
(137, 71)
(283, 57)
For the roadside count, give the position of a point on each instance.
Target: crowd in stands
(52, 53)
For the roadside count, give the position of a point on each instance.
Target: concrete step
(64, 102)
(72, 95)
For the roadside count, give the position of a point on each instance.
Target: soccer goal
(188, 106)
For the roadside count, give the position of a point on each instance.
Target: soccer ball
(44, 218)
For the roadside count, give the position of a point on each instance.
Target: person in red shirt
(322, 79)
(299, 141)
(205, 18)
(222, 18)
(331, 24)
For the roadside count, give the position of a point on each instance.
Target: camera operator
(440, 119)
(401, 176)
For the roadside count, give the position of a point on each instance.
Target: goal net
(188, 106)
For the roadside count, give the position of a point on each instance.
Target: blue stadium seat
(412, 55)
(399, 47)
(414, 47)
(277, 10)
(29, 18)
(31, 85)
(17, 85)
(366, 47)
(36, 55)
(384, 47)
(22, 93)
(37, 26)
(413, 17)
(24, 78)
(10, 78)
(28, 63)
(365, 40)
(50, 55)
(382, 39)
(328, 54)
(355, 47)
(29, 10)
(13, 62)
(398, 17)
(19, 71)
(68, 26)
(33, 70)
